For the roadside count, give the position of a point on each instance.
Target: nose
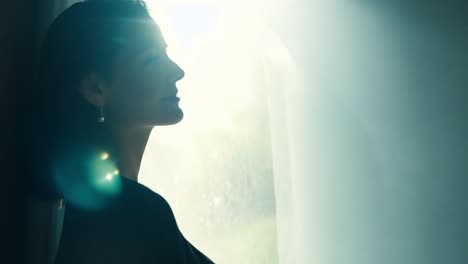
(177, 72)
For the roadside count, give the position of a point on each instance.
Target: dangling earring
(101, 115)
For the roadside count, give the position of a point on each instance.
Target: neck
(131, 143)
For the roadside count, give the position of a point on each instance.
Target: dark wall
(16, 53)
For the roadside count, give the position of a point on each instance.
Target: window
(215, 167)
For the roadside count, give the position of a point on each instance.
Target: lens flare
(87, 178)
(109, 176)
(104, 156)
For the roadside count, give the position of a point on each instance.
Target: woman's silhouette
(104, 82)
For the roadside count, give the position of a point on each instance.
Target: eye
(152, 59)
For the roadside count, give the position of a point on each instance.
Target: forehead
(141, 35)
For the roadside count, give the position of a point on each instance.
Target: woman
(105, 81)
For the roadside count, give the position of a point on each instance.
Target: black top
(137, 226)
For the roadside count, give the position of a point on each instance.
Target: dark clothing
(137, 226)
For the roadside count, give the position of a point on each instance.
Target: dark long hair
(63, 127)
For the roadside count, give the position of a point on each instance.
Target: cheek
(140, 85)
(146, 85)
(137, 98)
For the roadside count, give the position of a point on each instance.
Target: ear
(94, 89)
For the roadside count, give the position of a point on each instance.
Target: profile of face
(142, 90)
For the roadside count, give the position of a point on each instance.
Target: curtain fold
(371, 148)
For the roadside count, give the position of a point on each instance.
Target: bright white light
(218, 44)
(109, 176)
(104, 155)
(222, 46)
(216, 201)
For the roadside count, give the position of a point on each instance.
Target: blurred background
(330, 132)
(215, 167)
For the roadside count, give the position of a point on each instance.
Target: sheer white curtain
(371, 146)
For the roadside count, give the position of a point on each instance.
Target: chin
(170, 119)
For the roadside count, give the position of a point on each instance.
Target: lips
(170, 99)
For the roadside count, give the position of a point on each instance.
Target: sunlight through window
(215, 167)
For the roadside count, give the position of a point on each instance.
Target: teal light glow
(109, 176)
(88, 180)
(102, 173)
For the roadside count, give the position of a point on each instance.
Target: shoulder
(149, 203)
(139, 191)
(158, 222)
